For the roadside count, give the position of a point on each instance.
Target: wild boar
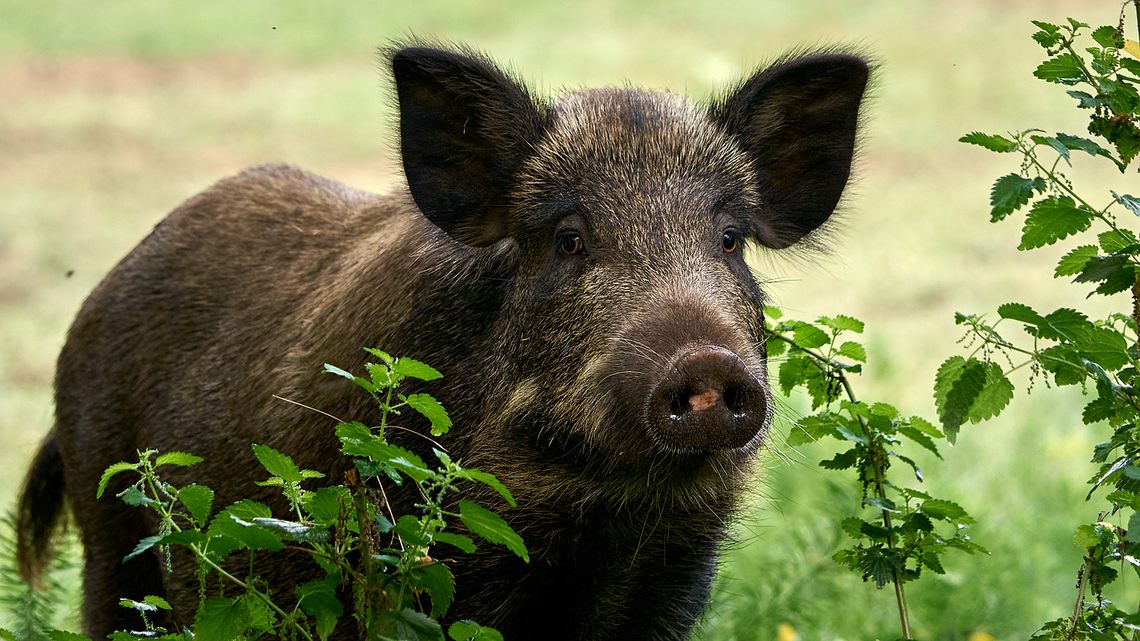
(574, 267)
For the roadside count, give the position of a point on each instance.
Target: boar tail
(39, 512)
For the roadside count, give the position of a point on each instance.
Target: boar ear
(465, 131)
(796, 121)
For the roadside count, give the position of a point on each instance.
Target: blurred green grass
(113, 113)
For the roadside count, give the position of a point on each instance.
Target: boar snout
(707, 400)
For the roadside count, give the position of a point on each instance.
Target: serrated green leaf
(843, 323)
(1065, 324)
(1010, 193)
(1101, 268)
(110, 472)
(925, 426)
(219, 546)
(1102, 409)
(999, 144)
(1124, 277)
(260, 616)
(1075, 261)
(382, 375)
(142, 546)
(197, 499)
(853, 527)
(878, 567)
(184, 537)
(141, 606)
(492, 527)
(489, 480)
(919, 437)
(841, 461)
(1106, 347)
(1107, 37)
(813, 428)
(1086, 100)
(957, 384)
(437, 581)
(381, 354)
(1124, 135)
(931, 561)
(362, 382)
(919, 522)
(413, 466)
(318, 599)
(221, 618)
(808, 336)
(884, 410)
(406, 624)
(415, 369)
(325, 504)
(458, 540)
(1133, 534)
(277, 464)
(1086, 536)
(1083, 144)
(854, 351)
(963, 542)
(1065, 364)
(157, 601)
(848, 435)
(383, 524)
(410, 531)
(1057, 146)
(942, 510)
(300, 532)
(881, 503)
(236, 522)
(252, 535)
(1065, 69)
(135, 497)
(796, 371)
(466, 630)
(429, 407)
(1131, 202)
(1020, 312)
(358, 440)
(1052, 219)
(995, 395)
(908, 461)
(177, 458)
(59, 635)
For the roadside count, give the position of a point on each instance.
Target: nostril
(679, 403)
(736, 399)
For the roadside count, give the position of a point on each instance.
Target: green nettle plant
(905, 531)
(1066, 347)
(334, 524)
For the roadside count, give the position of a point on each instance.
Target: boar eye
(570, 244)
(730, 241)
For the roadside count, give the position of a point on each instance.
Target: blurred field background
(112, 113)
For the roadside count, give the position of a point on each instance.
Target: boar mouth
(707, 401)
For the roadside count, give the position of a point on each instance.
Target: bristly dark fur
(574, 268)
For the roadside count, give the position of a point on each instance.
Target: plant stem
(1081, 583)
(880, 491)
(835, 369)
(1136, 300)
(1136, 3)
